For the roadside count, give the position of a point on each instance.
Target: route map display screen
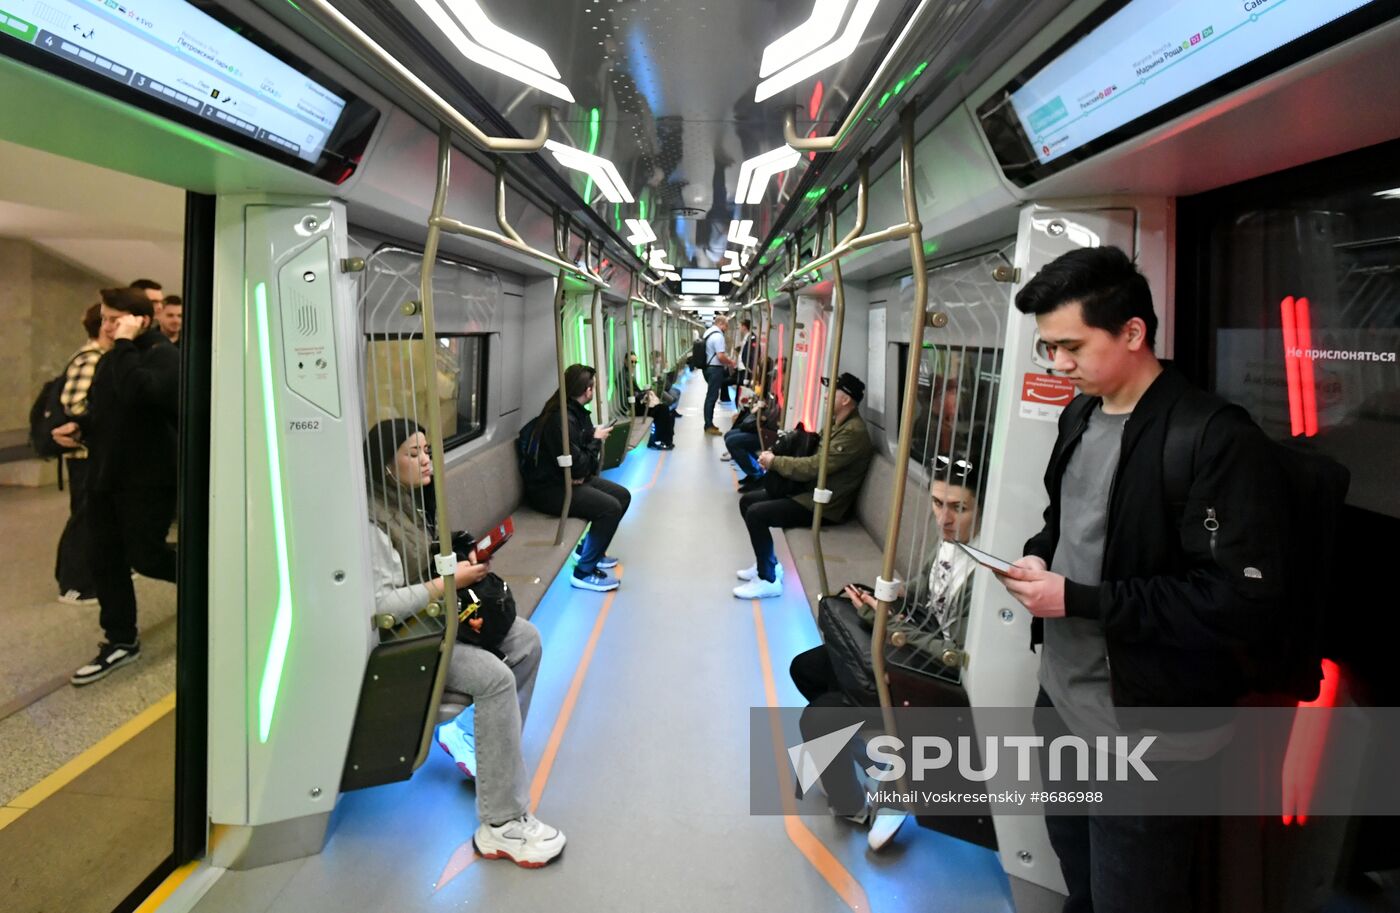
(184, 59)
(1137, 61)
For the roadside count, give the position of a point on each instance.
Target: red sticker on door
(1044, 396)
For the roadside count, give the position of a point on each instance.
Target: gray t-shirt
(1074, 660)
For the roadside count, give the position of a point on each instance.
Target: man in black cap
(846, 466)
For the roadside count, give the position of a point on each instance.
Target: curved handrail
(445, 552)
(906, 422)
(834, 141)
(335, 22)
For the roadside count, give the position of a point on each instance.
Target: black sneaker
(109, 657)
(752, 483)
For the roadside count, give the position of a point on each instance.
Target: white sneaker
(73, 597)
(751, 572)
(885, 824)
(527, 841)
(459, 741)
(758, 588)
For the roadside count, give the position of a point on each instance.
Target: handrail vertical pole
(631, 317)
(911, 389)
(595, 264)
(561, 246)
(444, 528)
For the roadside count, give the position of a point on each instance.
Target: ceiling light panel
(819, 58)
(603, 172)
(810, 36)
(739, 233)
(481, 41)
(754, 173)
(641, 232)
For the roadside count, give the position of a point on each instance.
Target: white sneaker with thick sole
(883, 826)
(527, 841)
(460, 745)
(758, 588)
(751, 572)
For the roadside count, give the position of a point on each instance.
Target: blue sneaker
(458, 739)
(596, 580)
(607, 562)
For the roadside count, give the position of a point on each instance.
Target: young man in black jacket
(130, 430)
(1138, 602)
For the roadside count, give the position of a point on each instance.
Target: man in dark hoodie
(130, 431)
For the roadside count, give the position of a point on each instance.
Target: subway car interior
(401, 251)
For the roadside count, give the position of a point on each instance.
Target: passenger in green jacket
(847, 464)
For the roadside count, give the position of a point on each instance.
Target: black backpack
(1290, 652)
(47, 413)
(799, 442)
(699, 356)
(527, 447)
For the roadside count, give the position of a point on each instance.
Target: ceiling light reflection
(481, 41)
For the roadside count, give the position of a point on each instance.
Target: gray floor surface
(44, 722)
(651, 780)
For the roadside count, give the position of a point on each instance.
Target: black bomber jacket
(1179, 602)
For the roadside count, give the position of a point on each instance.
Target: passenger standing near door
(73, 567)
(172, 317)
(717, 365)
(1135, 604)
(130, 430)
(595, 499)
(748, 355)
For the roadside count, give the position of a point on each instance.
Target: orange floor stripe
(656, 474)
(464, 856)
(827, 865)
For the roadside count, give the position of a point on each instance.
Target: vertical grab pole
(566, 458)
(822, 495)
(885, 587)
(445, 557)
(631, 334)
(792, 337)
(763, 356)
(594, 263)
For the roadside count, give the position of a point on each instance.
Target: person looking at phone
(931, 620)
(399, 471)
(1137, 602)
(657, 406)
(595, 499)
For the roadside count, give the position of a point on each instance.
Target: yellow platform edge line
(167, 887)
(79, 765)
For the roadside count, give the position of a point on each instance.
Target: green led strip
(282, 623)
(612, 361)
(643, 357)
(582, 341)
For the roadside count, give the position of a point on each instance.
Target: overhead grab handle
(854, 240)
(349, 34)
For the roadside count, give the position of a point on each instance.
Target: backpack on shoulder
(1290, 652)
(47, 413)
(527, 447)
(699, 354)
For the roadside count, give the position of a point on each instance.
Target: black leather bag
(490, 600)
(799, 442)
(847, 642)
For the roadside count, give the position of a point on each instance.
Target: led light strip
(282, 621)
(603, 172)
(755, 172)
(466, 25)
(819, 28)
(739, 233)
(818, 58)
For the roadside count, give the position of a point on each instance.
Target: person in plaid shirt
(72, 569)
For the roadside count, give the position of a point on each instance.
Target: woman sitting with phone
(929, 622)
(500, 680)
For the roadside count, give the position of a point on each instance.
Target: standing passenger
(717, 365)
(171, 317)
(595, 499)
(399, 469)
(73, 567)
(130, 429)
(1132, 607)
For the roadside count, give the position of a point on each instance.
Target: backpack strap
(1186, 428)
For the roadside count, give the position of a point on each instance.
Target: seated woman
(595, 499)
(931, 621)
(402, 538)
(659, 407)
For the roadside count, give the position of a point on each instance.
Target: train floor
(638, 746)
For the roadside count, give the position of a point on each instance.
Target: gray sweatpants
(501, 692)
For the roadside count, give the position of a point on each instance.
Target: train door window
(959, 378)
(398, 379)
(1300, 277)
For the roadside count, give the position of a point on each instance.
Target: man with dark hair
(129, 427)
(171, 317)
(1137, 602)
